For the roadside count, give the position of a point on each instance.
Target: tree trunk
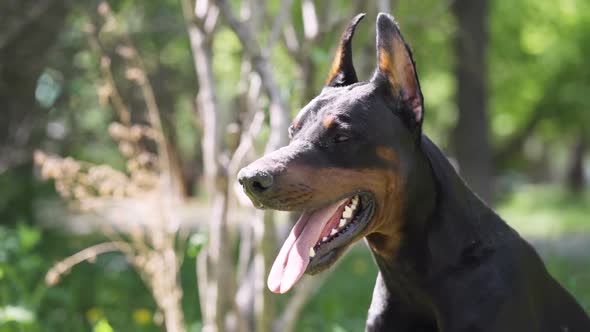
(471, 136)
(576, 179)
(514, 144)
(279, 122)
(215, 269)
(28, 30)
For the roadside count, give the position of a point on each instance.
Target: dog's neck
(441, 225)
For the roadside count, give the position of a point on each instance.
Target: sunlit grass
(547, 211)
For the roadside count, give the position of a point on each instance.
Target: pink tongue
(293, 258)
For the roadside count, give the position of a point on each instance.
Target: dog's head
(347, 166)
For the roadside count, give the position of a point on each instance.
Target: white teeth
(347, 212)
(311, 252)
(342, 223)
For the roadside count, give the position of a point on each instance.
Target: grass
(545, 215)
(547, 211)
(574, 275)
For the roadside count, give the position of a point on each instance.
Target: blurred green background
(525, 149)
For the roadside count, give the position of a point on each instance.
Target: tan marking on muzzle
(324, 185)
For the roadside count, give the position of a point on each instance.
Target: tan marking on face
(324, 185)
(328, 121)
(386, 153)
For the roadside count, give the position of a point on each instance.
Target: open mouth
(318, 238)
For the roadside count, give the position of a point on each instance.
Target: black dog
(359, 166)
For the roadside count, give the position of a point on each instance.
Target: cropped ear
(396, 67)
(342, 71)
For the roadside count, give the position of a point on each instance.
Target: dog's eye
(340, 138)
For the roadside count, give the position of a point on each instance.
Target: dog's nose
(255, 182)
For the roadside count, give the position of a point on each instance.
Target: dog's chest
(377, 316)
(387, 314)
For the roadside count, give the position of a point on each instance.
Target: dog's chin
(330, 248)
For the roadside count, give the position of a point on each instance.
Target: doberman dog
(358, 165)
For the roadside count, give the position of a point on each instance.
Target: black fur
(462, 268)
(345, 73)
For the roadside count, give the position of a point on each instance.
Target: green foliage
(92, 297)
(226, 55)
(538, 64)
(343, 300)
(574, 274)
(195, 243)
(21, 284)
(48, 88)
(102, 326)
(15, 316)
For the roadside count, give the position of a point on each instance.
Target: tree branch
(215, 261)
(515, 143)
(277, 24)
(279, 114)
(278, 109)
(88, 254)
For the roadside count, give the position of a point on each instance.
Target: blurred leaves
(19, 315)
(195, 243)
(538, 60)
(142, 316)
(49, 87)
(28, 236)
(21, 288)
(103, 326)
(547, 211)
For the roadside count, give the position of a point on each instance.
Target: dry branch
(89, 254)
(279, 117)
(214, 265)
(138, 205)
